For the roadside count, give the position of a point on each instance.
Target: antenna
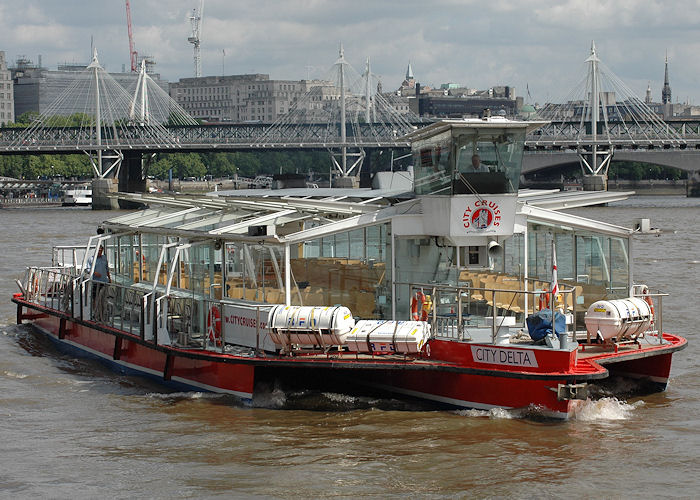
(196, 21)
(132, 51)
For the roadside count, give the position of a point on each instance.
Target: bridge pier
(131, 178)
(693, 185)
(100, 188)
(595, 182)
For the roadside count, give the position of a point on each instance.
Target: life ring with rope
(214, 325)
(420, 306)
(417, 302)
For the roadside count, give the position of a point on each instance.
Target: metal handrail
(438, 292)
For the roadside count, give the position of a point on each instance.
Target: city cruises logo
(481, 215)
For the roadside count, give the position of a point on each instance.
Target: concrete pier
(100, 188)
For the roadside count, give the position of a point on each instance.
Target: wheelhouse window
(488, 164)
(468, 161)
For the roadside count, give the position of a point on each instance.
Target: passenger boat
(439, 283)
(79, 195)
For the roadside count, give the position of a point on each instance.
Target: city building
(666, 108)
(453, 100)
(248, 98)
(7, 100)
(37, 89)
(463, 107)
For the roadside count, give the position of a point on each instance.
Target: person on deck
(100, 275)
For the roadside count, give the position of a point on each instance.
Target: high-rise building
(7, 101)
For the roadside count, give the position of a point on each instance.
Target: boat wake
(608, 408)
(176, 397)
(11, 374)
(591, 410)
(494, 413)
(274, 396)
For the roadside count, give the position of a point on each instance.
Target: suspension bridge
(599, 120)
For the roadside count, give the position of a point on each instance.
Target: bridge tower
(595, 162)
(345, 178)
(105, 163)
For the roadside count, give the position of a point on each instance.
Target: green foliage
(623, 170)
(637, 171)
(74, 120)
(31, 167)
(244, 164)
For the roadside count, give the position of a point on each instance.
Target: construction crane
(196, 21)
(132, 50)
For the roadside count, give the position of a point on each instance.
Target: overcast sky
(478, 44)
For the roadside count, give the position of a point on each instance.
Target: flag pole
(554, 287)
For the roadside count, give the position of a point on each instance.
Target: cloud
(476, 43)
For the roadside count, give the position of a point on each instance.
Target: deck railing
(68, 256)
(453, 310)
(196, 321)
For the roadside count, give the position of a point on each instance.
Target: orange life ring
(417, 312)
(214, 325)
(544, 300)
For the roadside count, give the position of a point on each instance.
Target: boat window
(432, 168)
(619, 265)
(510, 261)
(468, 161)
(348, 268)
(488, 164)
(255, 272)
(597, 263)
(422, 261)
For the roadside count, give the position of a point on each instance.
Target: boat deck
(644, 347)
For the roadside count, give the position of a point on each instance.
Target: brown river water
(71, 428)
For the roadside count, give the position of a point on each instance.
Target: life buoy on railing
(214, 325)
(420, 306)
(417, 305)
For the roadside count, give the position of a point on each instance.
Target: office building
(7, 102)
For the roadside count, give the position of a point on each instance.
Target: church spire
(666, 91)
(409, 72)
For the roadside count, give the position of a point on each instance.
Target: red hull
(132, 354)
(453, 373)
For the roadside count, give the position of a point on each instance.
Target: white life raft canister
(621, 318)
(388, 336)
(310, 325)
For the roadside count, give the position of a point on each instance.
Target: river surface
(73, 429)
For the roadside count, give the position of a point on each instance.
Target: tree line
(248, 164)
(264, 163)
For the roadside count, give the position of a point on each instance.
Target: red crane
(132, 51)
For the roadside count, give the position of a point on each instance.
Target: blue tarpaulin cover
(539, 325)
